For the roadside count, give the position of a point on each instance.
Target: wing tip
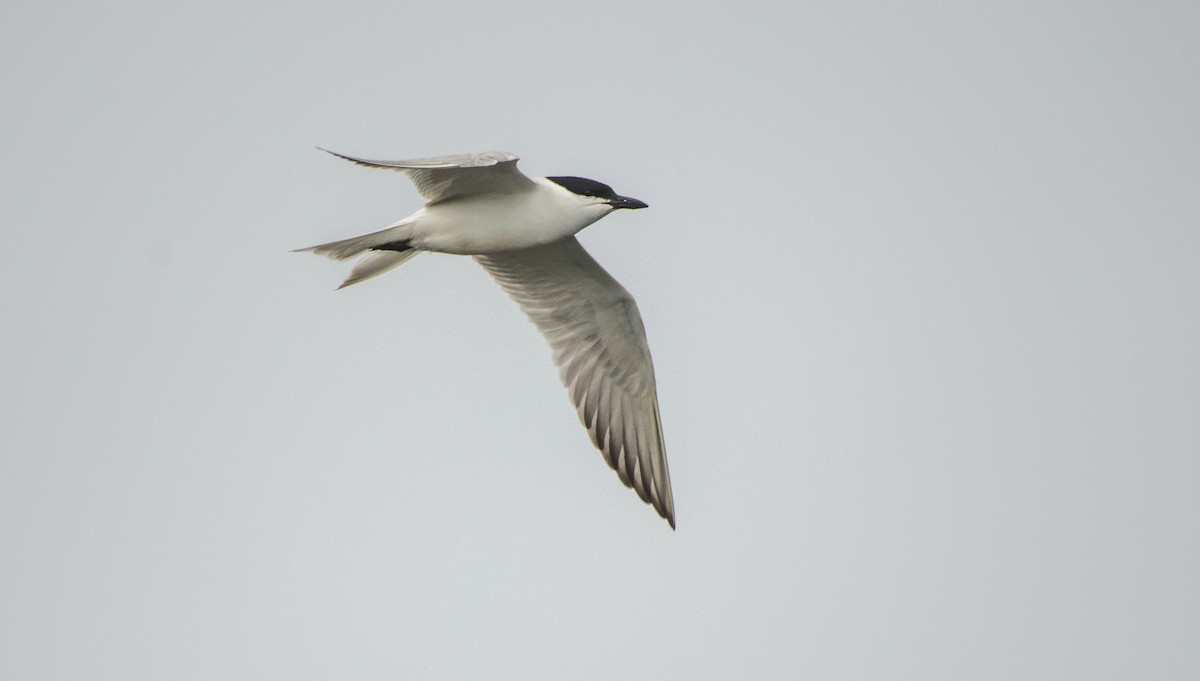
(666, 509)
(357, 161)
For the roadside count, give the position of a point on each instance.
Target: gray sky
(921, 281)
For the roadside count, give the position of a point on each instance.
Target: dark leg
(398, 246)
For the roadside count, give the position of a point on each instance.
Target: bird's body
(479, 224)
(521, 230)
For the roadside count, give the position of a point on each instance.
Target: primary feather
(599, 344)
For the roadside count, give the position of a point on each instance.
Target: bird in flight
(522, 231)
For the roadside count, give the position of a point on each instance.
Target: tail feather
(348, 248)
(380, 251)
(376, 263)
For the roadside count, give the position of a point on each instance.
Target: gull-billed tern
(522, 231)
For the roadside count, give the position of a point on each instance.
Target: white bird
(522, 231)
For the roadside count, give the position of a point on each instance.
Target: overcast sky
(921, 280)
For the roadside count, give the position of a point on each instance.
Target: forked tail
(380, 251)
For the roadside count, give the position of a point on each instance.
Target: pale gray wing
(444, 177)
(600, 348)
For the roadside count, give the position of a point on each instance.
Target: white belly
(491, 223)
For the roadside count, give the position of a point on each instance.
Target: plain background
(921, 280)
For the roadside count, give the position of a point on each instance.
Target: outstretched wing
(445, 177)
(599, 344)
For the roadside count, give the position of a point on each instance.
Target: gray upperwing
(444, 177)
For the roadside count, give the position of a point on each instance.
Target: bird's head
(597, 192)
